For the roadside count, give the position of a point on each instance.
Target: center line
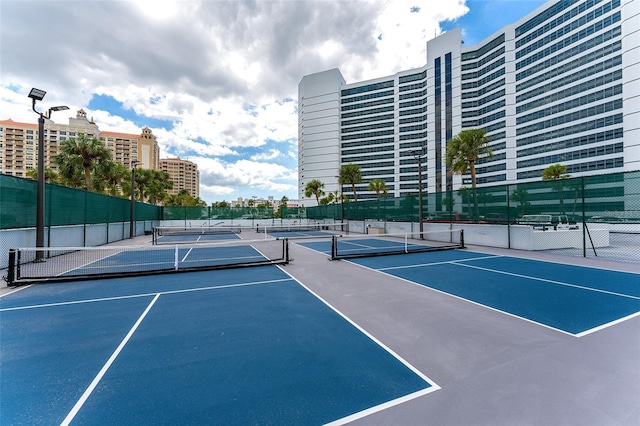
(104, 369)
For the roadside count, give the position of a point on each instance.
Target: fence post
(508, 218)
(584, 221)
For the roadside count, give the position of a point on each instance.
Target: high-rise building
(561, 85)
(184, 175)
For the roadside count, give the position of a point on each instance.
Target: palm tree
(183, 198)
(143, 180)
(82, 153)
(113, 175)
(520, 196)
(463, 150)
(314, 187)
(556, 173)
(157, 186)
(50, 175)
(378, 186)
(350, 175)
(465, 195)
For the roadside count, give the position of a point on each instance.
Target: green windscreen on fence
(64, 206)
(213, 214)
(613, 198)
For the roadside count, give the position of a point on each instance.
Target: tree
(350, 175)
(113, 175)
(50, 175)
(465, 195)
(143, 179)
(183, 198)
(520, 196)
(314, 187)
(378, 186)
(556, 173)
(160, 181)
(81, 153)
(464, 149)
(283, 205)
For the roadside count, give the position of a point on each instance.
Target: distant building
(19, 149)
(184, 175)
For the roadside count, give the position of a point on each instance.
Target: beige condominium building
(19, 148)
(184, 175)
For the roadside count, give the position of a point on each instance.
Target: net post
(462, 238)
(175, 258)
(285, 243)
(11, 271)
(334, 247)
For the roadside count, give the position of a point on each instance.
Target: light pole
(38, 95)
(132, 206)
(418, 156)
(341, 200)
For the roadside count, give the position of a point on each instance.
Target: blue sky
(216, 81)
(488, 16)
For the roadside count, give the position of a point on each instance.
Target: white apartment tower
(561, 85)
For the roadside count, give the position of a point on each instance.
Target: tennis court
(241, 346)
(572, 299)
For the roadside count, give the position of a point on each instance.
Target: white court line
(550, 281)
(609, 324)
(428, 286)
(108, 364)
(17, 289)
(444, 262)
(89, 263)
(186, 255)
(103, 299)
(433, 386)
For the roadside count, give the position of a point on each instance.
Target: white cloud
(224, 72)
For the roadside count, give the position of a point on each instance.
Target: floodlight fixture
(37, 94)
(58, 108)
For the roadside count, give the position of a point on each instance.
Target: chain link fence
(592, 204)
(587, 204)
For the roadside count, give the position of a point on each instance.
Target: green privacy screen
(63, 206)
(604, 198)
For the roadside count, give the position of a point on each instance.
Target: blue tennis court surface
(196, 238)
(572, 299)
(241, 346)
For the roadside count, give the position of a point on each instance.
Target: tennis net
(187, 235)
(350, 247)
(312, 230)
(82, 263)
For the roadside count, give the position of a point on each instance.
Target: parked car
(547, 221)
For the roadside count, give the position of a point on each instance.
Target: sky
(217, 81)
